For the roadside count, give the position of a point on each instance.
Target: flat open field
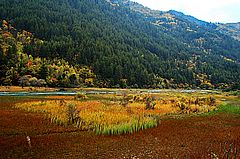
(176, 136)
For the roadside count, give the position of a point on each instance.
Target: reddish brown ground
(192, 137)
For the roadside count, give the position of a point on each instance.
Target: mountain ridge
(158, 14)
(231, 29)
(176, 22)
(125, 47)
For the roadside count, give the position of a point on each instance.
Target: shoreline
(57, 89)
(26, 89)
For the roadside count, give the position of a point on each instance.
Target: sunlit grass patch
(114, 119)
(91, 115)
(133, 125)
(119, 113)
(228, 108)
(116, 123)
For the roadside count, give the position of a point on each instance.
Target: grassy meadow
(122, 113)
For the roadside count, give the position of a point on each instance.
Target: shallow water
(64, 93)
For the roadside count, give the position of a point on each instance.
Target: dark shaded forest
(116, 47)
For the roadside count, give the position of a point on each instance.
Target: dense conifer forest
(72, 43)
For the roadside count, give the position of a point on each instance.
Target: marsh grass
(228, 108)
(91, 115)
(105, 114)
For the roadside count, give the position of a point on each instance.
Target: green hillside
(124, 47)
(231, 29)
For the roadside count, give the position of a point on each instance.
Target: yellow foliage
(108, 116)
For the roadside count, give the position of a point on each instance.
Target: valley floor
(190, 137)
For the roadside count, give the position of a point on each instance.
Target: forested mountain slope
(125, 47)
(19, 67)
(231, 29)
(201, 35)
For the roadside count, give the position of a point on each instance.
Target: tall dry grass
(110, 116)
